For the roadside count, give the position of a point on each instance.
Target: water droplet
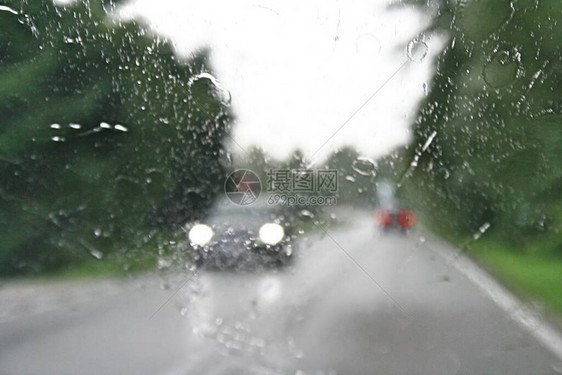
(96, 253)
(306, 213)
(191, 266)
(557, 367)
(75, 126)
(105, 125)
(163, 263)
(120, 128)
(205, 330)
(417, 50)
(350, 178)
(24, 19)
(527, 315)
(5, 8)
(503, 69)
(469, 16)
(294, 349)
(257, 342)
(481, 230)
(58, 139)
(205, 84)
(55, 126)
(364, 166)
(429, 140)
(288, 250)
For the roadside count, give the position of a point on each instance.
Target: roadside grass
(122, 264)
(531, 274)
(114, 265)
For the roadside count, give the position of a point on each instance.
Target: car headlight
(271, 233)
(200, 234)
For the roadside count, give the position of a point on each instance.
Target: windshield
(261, 187)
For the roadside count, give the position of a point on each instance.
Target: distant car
(387, 219)
(240, 238)
(388, 216)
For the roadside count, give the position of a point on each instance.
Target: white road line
(525, 316)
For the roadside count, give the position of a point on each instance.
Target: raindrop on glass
(417, 50)
(306, 213)
(364, 166)
(557, 367)
(502, 69)
(4, 8)
(96, 254)
(207, 84)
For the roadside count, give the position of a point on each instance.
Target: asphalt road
(402, 305)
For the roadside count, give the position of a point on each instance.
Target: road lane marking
(525, 317)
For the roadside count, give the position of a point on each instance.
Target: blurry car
(402, 220)
(388, 216)
(235, 237)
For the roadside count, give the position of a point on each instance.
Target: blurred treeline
(357, 176)
(495, 107)
(106, 137)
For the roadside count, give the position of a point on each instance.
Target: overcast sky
(297, 70)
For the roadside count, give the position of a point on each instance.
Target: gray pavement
(408, 309)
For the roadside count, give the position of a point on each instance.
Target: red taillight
(382, 217)
(407, 218)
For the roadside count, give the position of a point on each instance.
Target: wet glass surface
(214, 187)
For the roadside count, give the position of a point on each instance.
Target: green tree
(106, 136)
(496, 112)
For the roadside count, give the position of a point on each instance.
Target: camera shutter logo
(242, 187)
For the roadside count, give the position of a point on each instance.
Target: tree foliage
(495, 108)
(106, 136)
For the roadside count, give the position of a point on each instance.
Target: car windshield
(280, 187)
